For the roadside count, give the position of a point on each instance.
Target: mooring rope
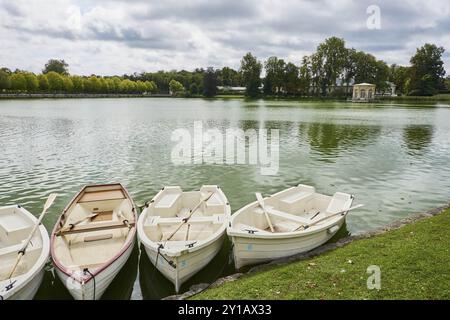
(86, 270)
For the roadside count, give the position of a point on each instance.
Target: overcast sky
(115, 37)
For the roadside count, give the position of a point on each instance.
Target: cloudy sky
(116, 37)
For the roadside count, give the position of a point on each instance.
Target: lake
(395, 159)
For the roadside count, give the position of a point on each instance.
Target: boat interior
(15, 227)
(291, 208)
(168, 209)
(94, 228)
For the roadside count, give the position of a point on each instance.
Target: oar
(327, 217)
(71, 225)
(190, 215)
(22, 251)
(263, 207)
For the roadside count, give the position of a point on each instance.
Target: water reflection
(329, 138)
(417, 137)
(155, 286)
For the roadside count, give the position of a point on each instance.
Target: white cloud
(116, 37)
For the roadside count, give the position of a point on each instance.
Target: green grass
(414, 262)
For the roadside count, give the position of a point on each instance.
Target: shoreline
(405, 99)
(318, 253)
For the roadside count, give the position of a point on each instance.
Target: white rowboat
(183, 231)
(16, 224)
(93, 239)
(302, 220)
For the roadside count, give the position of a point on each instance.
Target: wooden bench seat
(284, 215)
(154, 220)
(94, 227)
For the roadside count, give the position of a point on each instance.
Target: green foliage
(274, 81)
(175, 87)
(55, 81)
(77, 84)
(5, 81)
(210, 83)
(68, 84)
(400, 75)
(32, 82)
(251, 71)
(58, 66)
(18, 82)
(427, 70)
(44, 86)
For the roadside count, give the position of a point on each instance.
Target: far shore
(6, 96)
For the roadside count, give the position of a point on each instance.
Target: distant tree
(274, 81)
(210, 83)
(18, 82)
(175, 86)
(55, 81)
(227, 75)
(150, 86)
(305, 76)
(58, 66)
(329, 62)
(77, 84)
(67, 84)
(291, 78)
(141, 87)
(44, 86)
(5, 81)
(103, 85)
(193, 89)
(32, 82)
(399, 75)
(251, 71)
(427, 70)
(447, 83)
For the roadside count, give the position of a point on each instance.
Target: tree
(18, 82)
(210, 83)
(291, 79)
(55, 81)
(5, 81)
(58, 66)
(274, 80)
(67, 84)
(141, 88)
(32, 82)
(43, 83)
(305, 76)
(427, 70)
(329, 62)
(77, 84)
(251, 71)
(193, 89)
(399, 75)
(175, 86)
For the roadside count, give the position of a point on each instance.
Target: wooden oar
(71, 225)
(190, 215)
(22, 251)
(327, 217)
(263, 207)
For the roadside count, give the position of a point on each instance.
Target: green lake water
(395, 159)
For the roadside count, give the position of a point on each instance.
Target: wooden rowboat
(16, 224)
(183, 231)
(302, 220)
(93, 239)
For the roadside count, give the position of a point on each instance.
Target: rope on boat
(170, 262)
(86, 270)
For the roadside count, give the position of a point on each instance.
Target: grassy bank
(414, 262)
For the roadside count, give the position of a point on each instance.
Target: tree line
(329, 71)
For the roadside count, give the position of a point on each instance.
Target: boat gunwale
(90, 276)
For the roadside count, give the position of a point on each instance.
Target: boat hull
(29, 289)
(187, 264)
(102, 280)
(255, 250)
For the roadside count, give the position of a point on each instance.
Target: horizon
(112, 37)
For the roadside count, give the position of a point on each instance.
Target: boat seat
(287, 216)
(106, 195)
(14, 228)
(94, 227)
(7, 250)
(246, 227)
(167, 205)
(155, 220)
(293, 202)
